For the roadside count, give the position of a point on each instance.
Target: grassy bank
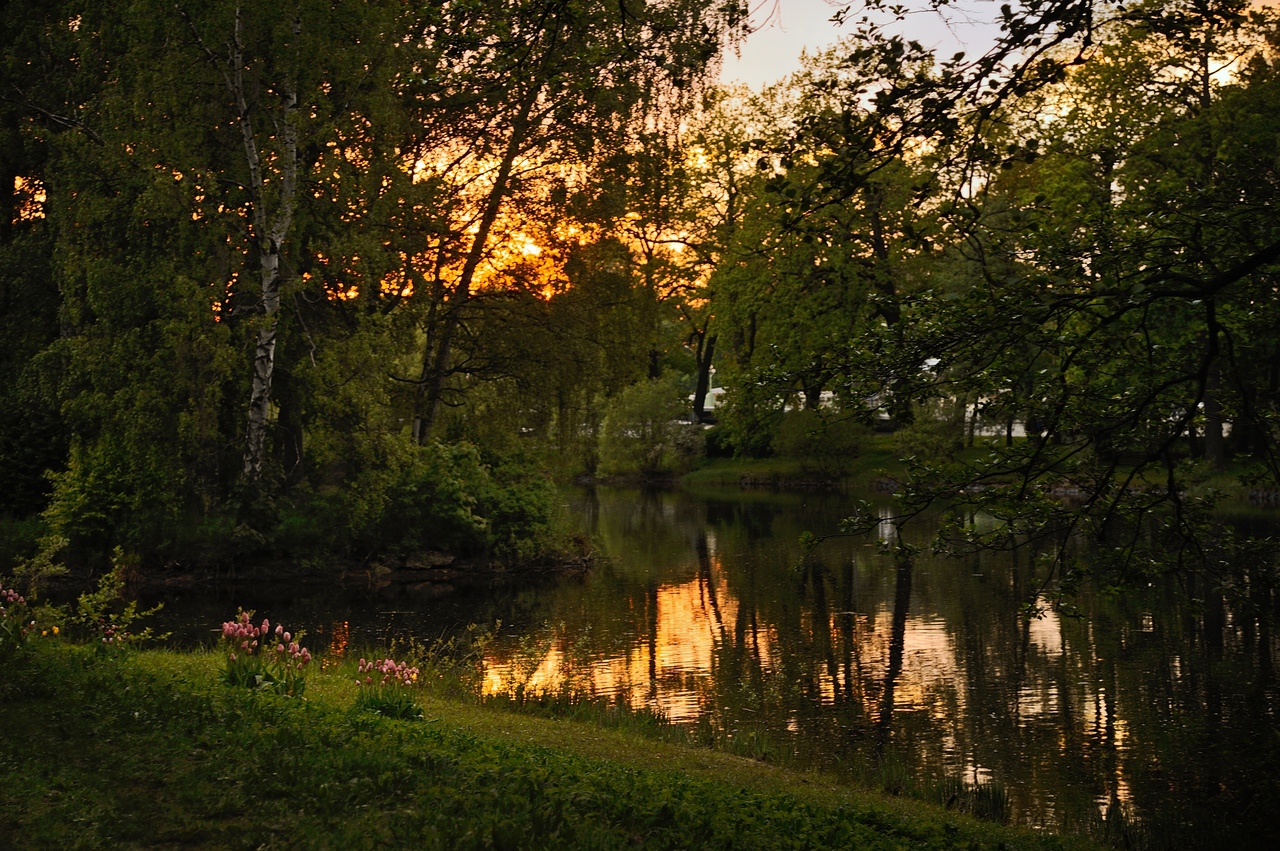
(877, 458)
(150, 749)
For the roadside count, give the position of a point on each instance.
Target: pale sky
(794, 25)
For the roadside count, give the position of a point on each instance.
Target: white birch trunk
(271, 233)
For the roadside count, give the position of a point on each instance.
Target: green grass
(877, 457)
(151, 750)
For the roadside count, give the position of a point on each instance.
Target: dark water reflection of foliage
(1154, 711)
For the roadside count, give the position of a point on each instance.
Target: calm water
(1158, 707)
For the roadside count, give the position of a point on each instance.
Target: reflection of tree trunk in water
(737, 671)
(822, 635)
(897, 641)
(745, 637)
(704, 578)
(846, 625)
(1073, 732)
(1214, 626)
(1263, 603)
(1023, 648)
(757, 664)
(591, 512)
(651, 606)
(1110, 756)
(1020, 656)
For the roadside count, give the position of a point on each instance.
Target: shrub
(104, 618)
(749, 416)
(642, 433)
(823, 441)
(448, 497)
(454, 498)
(935, 434)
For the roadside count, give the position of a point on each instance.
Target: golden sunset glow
(30, 199)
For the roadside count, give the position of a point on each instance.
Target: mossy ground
(151, 750)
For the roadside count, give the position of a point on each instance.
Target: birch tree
(289, 80)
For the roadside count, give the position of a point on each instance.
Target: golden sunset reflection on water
(673, 661)
(670, 670)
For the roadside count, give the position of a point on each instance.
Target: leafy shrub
(448, 497)
(103, 616)
(749, 415)
(935, 434)
(454, 499)
(642, 433)
(521, 508)
(260, 659)
(823, 441)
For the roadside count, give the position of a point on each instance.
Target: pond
(1152, 715)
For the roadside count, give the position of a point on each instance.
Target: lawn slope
(150, 750)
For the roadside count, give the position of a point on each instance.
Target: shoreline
(148, 747)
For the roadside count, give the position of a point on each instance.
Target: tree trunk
(271, 234)
(269, 231)
(436, 366)
(1215, 445)
(705, 350)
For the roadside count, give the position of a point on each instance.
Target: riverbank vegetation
(106, 745)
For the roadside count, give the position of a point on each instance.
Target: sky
(791, 26)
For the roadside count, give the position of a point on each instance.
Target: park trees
(527, 102)
(1065, 232)
(818, 256)
(182, 201)
(276, 238)
(1111, 259)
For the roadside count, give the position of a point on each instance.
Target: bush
(445, 497)
(749, 415)
(105, 618)
(935, 434)
(642, 433)
(823, 441)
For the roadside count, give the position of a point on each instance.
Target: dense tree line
(279, 273)
(354, 277)
(1080, 240)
